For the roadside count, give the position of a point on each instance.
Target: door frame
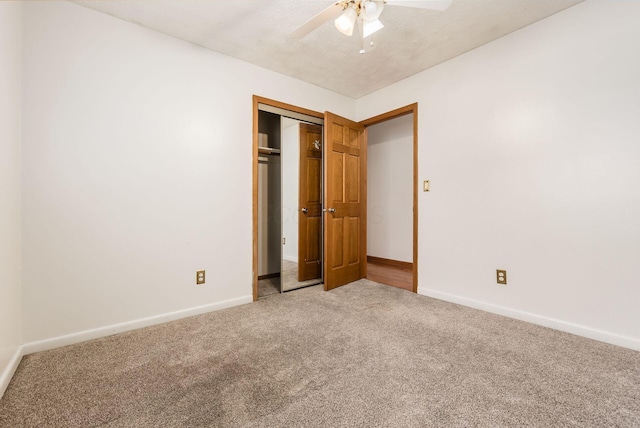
(394, 114)
(254, 166)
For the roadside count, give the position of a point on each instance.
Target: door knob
(331, 210)
(304, 210)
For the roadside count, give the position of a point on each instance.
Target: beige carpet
(363, 355)
(268, 287)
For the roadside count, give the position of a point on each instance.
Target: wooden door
(345, 216)
(310, 203)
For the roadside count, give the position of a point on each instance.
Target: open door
(345, 215)
(310, 203)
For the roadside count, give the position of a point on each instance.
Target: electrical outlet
(199, 277)
(501, 276)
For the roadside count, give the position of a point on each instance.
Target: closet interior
(289, 200)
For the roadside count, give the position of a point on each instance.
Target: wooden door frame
(394, 114)
(261, 100)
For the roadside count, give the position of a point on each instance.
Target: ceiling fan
(365, 13)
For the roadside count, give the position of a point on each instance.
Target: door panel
(313, 239)
(354, 240)
(310, 203)
(335, 164)
(354, 138)
(337, 241)
(352, 179)
(344, 249)
(314, 168)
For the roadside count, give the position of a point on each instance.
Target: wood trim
(389, 262)
(254, 167)
(415, 196)
(285, 106)
(364, 151)
(393, 114)
(269, 275)
(254, 199)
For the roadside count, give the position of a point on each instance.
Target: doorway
(392, 254)
(390, 202)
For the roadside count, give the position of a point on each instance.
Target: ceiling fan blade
(326, 15)
(422, 4)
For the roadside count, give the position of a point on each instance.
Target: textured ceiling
(257, 31)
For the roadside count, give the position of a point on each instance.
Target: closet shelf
(268, 151)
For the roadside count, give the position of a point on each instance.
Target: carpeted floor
(268, 287)
(363, 355)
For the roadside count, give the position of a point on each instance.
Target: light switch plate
(425, 185)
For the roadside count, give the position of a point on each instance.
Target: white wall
(136, 170)
(10, 86)
(290, 187)
(390, 189)
(531, 146)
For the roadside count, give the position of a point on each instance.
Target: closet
(269, 203)
(289, 200)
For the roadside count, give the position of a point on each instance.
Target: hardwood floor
(381, 271)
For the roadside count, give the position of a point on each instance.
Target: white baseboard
(82, 336)
(591, 333)
(8, 371)
(290, 258)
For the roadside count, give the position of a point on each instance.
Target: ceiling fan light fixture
(346, 21)
(370, 9)
(371, 27)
